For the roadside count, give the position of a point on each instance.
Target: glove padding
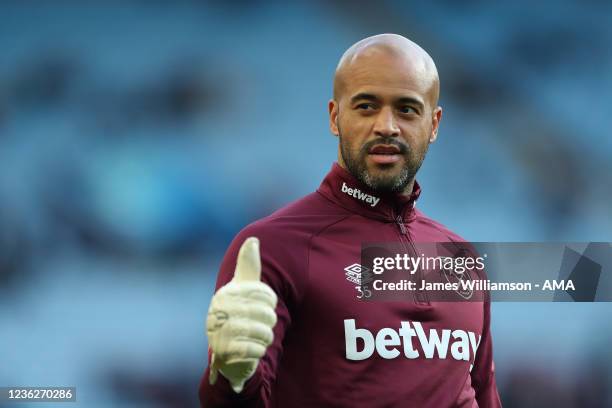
(240, 320)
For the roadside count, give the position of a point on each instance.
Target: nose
(385, 125)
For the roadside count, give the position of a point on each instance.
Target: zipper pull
(400, 223)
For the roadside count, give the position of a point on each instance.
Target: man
(287, 329)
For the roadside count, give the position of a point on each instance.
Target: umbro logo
(361, 277)
(357, 274)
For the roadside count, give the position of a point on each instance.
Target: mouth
(385, 154)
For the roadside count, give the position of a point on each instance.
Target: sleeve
(483, 373)
(276, 268)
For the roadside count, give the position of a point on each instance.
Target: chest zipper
(420, 297)
(400, 222)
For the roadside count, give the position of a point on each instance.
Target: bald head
(395, 59)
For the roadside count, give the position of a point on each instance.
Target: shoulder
(298, 220)
(434, 230)
(285, 238)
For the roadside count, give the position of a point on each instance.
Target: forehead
(388, 76)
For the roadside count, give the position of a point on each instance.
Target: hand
(240, 320)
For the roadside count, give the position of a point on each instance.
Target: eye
(408, 109)
(365, 106)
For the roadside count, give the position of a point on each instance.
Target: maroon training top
(331, 349)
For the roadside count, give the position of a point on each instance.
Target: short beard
(381, 184)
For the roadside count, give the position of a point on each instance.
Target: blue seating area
(137, 139)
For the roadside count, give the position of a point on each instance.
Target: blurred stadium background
(137, 137)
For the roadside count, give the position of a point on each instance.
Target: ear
(435, 122)
(333, 117)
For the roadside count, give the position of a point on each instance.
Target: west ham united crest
(455, 277)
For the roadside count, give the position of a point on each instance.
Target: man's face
(385, 118)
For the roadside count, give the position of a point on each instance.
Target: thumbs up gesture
(240, 320)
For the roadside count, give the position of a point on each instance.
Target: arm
(483, 373)
(258, 388)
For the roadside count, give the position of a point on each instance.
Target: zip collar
(345, 190)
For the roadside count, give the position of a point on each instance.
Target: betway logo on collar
(355, 192)
(436, 342)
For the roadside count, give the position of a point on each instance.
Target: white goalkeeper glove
(240, 320)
